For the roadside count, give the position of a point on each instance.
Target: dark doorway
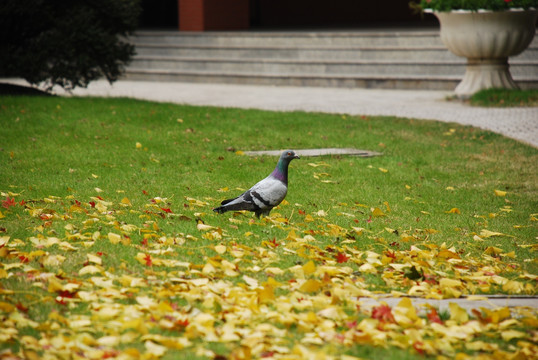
(319, 14)
(159, 14)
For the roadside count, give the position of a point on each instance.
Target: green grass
(505, 98)
(60, 154)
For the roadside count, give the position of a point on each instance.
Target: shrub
(474, 5)
(66, 42)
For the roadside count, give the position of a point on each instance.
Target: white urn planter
(486, 39)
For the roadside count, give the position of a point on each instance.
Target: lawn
(109, 247)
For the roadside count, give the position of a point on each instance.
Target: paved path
(517, 123)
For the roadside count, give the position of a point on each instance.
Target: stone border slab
(488, 302)
(319, 152)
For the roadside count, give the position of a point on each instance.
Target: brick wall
(204, 15)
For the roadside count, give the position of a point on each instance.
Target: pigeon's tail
(220, 209)
(223, 208)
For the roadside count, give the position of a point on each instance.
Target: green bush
(474, 5)
(66, 42)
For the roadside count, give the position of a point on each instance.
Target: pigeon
(266, 194)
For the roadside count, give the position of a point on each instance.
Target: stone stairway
(407, 59)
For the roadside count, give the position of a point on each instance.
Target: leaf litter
(100, 279)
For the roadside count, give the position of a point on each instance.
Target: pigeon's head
(289, 155)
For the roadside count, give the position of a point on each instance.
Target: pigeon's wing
(265, 195)
(270, 192)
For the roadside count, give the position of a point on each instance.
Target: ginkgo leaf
(457, 313)
(114, 238)
(376, 212)
(500, 193)
(311, 286)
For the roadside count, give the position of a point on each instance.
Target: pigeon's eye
(289, 154)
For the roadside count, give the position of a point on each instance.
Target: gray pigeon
(266, 194)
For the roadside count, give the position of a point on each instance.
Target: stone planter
(486, 39)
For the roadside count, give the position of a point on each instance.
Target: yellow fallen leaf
(4, 240)
(114, 238)
(309, 268)
(512, 334)
(220, 249)
(94, 259)
(500, 193)
(204, 227)
(513, 287)
(457, 313)
(376, 212)
(155, 349)
(453, 211)
(138, 145)
(53, 260)
(126, 202)
(383, 170)
(90, 269)
(311, 286)
(486, 233)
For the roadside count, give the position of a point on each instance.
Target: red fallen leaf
(144, 242)
(21, 307)
(78, 203)
(302, 212)
(110, 354)
(483, 319)
(341, 258)
(418, 346)
(22, 202)
(383, 313)
(274, 243)
(99, 253)
(356, 221)
(92, 204)
(148, 261)
(182, 323)
(61, 301)
(430, 279)
(167, 210)
(267, 354)
(66, 294)
(145, 192)
(351, 324)
(100, 198)
(433, 316)
(8, 202)
(23, 259)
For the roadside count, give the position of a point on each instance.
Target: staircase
(407, 59)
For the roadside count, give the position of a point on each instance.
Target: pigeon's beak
(296, 157)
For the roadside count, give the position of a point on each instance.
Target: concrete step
(296, 38)
(326, 67)
(300, 53)
(407, 59)
(349, 81)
